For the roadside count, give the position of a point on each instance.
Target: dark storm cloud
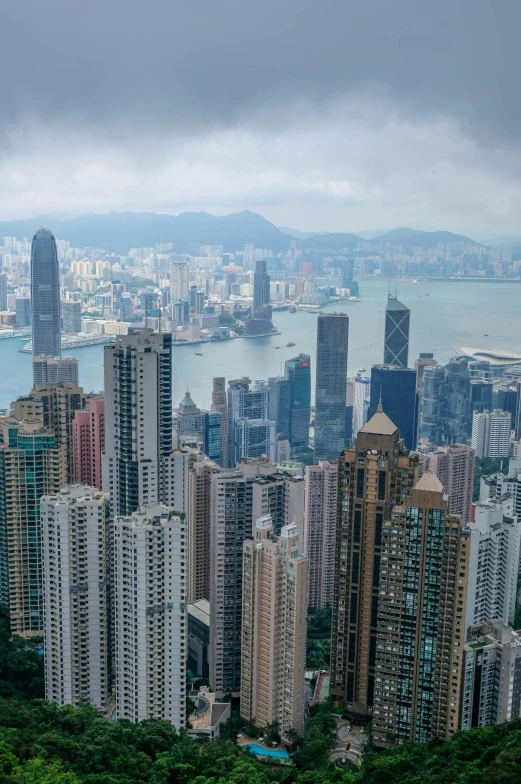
(132, 65)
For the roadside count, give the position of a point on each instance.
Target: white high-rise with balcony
(75, 551)
(149, 615)
(491, 432)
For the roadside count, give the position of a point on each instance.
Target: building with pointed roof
(396, 341)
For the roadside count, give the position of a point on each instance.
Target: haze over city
(338, 116)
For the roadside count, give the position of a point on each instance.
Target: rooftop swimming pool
(262, 752)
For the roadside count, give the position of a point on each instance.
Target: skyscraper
(149, 615)
(396, 340)
(251, 433)
(361, 402)
(395, 388)
(425, 360)
(88, 442)
(330, 386)
(45, 295)
(71, 312)
(199, 520)
(230, 525)
(23, 311)
(298, 373)
(454, 467)
(31, 465)
(47, 370)
(261, 287)
(76, 590)
(138, 418)
(495, 545)
(320, 529)
(56, 406)
(279, 401)
(458, 415)
(378, 473)
(219, 404)
(491, 432)
(273, 650)
(433, 401)
(424, 566)
(179, 283)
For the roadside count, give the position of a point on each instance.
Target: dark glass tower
(395, 388)
(279, 398)
(331, 384)
(261, 287)
(45, 295)
(396, 343)
(298, 373)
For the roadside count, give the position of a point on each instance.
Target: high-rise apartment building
(219, 404)
(517, 419)
(45, 296)
(498, 485)
(179, 282)
(76, 592)
(491, 431)
(372, 478)
(396, 339)
(230, 526)
(204, 425)
(395, 388)
(71, 314)
(492, 675)
(56, 406)
(330, 386)
(31, 466)
(251, 433)
(423, 572)
(88, 442)
(320, 530)
(495, 548)
(149, 615)
(138, 419)
(47, 370)
(298, 373)
(199, 520)
(454, 467)
(273, 651)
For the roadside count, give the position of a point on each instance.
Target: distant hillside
(330, 241)
(295, 233)
(421, 239)
(118, 231)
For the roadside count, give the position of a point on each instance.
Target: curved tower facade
(45, 295)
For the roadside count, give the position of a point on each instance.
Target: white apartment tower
(138, 419)
(495, 547)
(179, 282)
(149, 615)
(491, 432)
(275, 594)
(320, 529)
(361, 395)
(75, 551)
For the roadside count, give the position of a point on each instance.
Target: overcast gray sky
(320, 114)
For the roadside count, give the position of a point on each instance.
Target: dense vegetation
(43, 744)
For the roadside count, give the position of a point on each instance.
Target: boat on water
(198, 354)
(290, 344)
(293, 309)
(415, 281)
(276, 347)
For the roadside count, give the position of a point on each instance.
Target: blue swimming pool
(262, 752)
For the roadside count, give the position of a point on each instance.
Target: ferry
(198, 354)
(290, 344)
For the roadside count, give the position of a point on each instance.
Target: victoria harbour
(444, 317)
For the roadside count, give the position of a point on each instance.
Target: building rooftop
(200, 610)
(395, 304)
(429, 481)
(379, 424)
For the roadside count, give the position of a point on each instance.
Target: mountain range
(117, 232)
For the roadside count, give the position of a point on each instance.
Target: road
(355, 738)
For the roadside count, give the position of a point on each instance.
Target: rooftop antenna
(392, 293)
(380, 409)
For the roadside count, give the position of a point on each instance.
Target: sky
(322, 115)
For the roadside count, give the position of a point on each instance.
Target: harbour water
(444, 317)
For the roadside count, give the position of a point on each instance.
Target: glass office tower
(331, 385)
(396, 342)
(45, 295)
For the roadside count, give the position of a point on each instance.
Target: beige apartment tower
(273, 653)
(421, 619)
(372, 478)
(199, 514)
(454, 467)
(319, 530)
